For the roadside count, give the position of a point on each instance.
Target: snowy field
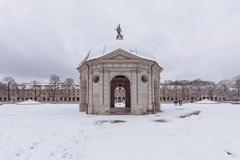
(60, 132)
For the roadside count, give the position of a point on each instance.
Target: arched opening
(120, 97)
(120, 93)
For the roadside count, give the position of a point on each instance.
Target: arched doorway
(120, 97)
(120, 92)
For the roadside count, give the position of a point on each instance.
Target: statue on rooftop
(119, 33)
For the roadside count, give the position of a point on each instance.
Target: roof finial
(119, 31)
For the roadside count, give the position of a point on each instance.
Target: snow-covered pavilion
(116, 79)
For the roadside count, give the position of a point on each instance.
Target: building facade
(102, 78)
(41, 93)
(192, 93)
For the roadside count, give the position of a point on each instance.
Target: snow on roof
(109, 46)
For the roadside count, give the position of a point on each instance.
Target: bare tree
(225, 88)
(22, 90)
(210, 90)
(35, 87)
(11, 83)
(236, 81)
(68, 83)
(54, 81)
(198, 85)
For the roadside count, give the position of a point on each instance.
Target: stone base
(83, 107)
(138, 110)
(120, 111)
(106, 110)
(101, 110)
(158, 107)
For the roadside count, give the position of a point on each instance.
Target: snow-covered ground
(59, 132)
(120, 105)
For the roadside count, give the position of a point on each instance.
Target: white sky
(191, 39)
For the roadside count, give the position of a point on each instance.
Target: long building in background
(196, 90)
(40, 92)
(170, 91)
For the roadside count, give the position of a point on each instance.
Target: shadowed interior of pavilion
(120, 95)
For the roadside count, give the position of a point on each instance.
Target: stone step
(120, 111)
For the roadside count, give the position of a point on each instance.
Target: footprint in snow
(229, 153)
(34, 145)
(18, 154)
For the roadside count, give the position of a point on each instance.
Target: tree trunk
(8, 93)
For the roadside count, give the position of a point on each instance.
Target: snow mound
(206, 101)
(237, 102)
(28, 102)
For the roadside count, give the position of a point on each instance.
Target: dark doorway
(120, 97)
(120, 83)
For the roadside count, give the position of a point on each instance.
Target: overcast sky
(191, 39)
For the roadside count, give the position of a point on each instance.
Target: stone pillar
(156, 95)
(83, 94)
(135, 107)
(106, 90)
(150, 93)
(90, 97)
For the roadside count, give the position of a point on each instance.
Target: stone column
(150, 93)
(106, 90)
(90, 97)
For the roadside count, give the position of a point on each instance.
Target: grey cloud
(190, 39)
